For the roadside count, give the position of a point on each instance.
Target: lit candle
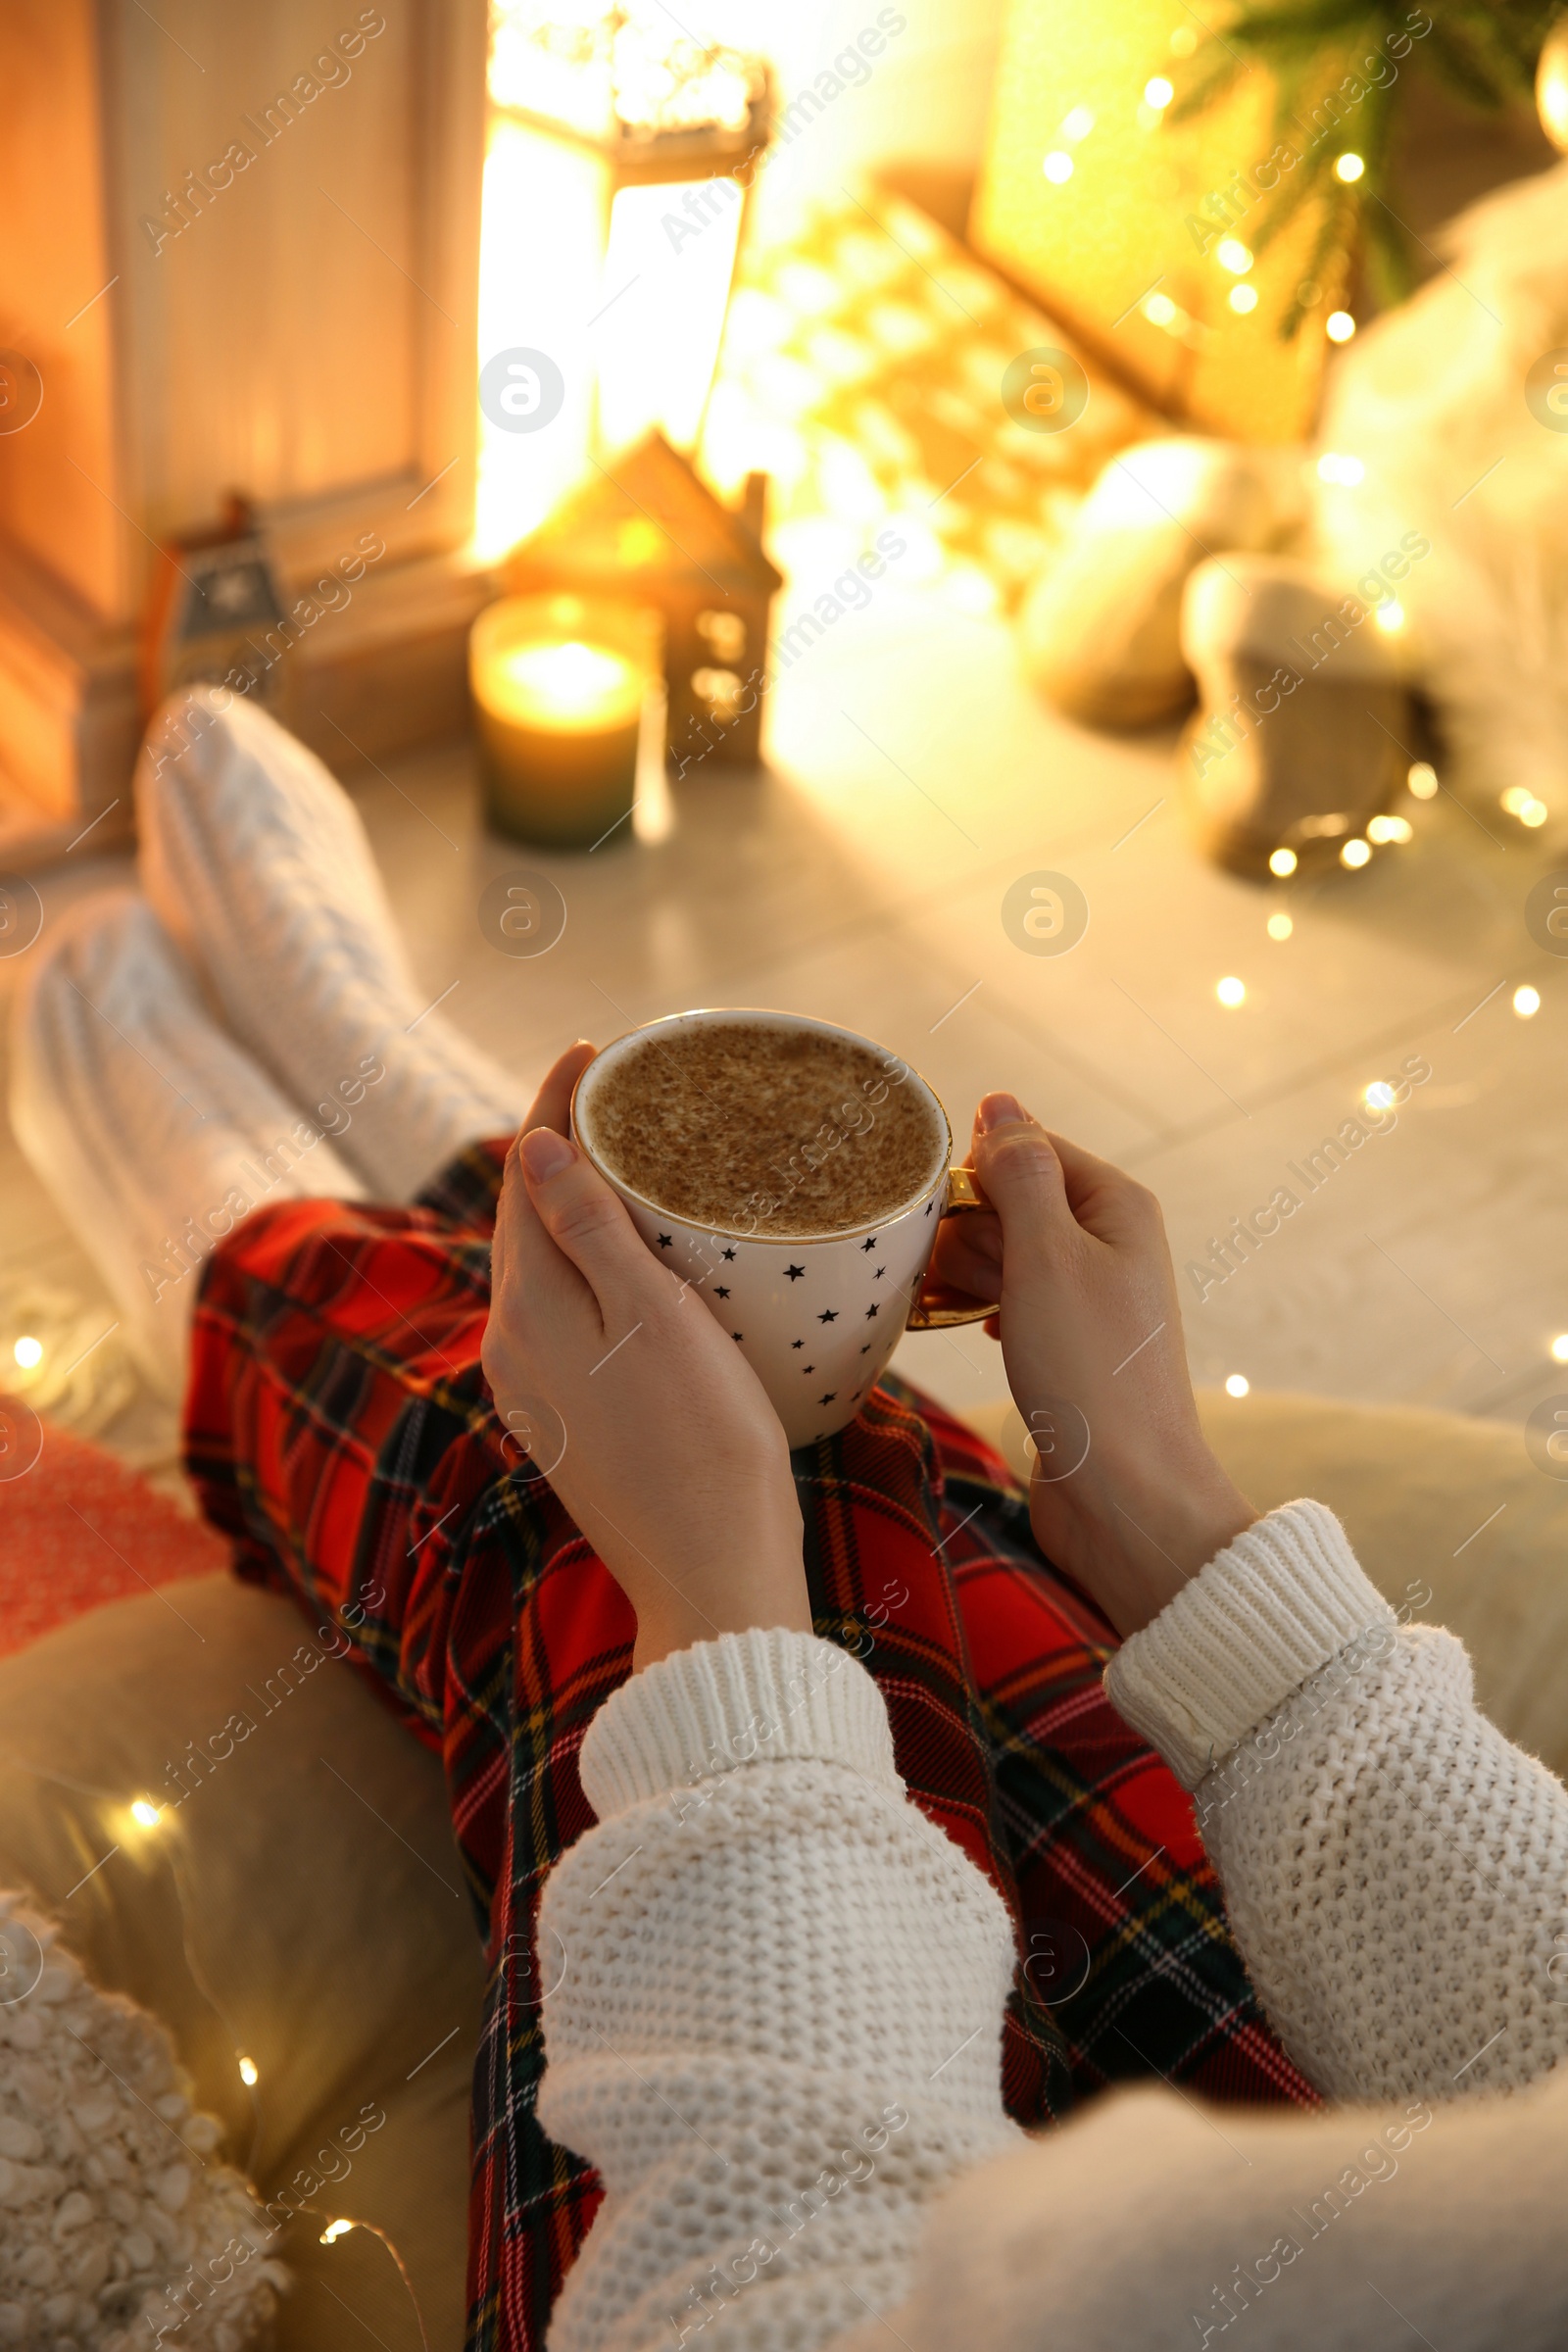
(560, 685)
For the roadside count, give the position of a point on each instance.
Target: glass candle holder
(560, 686)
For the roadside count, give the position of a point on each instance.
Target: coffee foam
(742, 1127)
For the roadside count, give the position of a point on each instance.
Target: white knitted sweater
(777, 2029)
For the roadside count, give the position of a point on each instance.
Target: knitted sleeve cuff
(1266, 1614)
(757, 1696)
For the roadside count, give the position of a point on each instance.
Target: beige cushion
(304, 1906)
(1412, 1488)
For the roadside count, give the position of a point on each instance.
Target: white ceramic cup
(816, 1317)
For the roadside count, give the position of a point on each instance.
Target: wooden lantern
(620, 161)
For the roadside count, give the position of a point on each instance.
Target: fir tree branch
(1485, 51)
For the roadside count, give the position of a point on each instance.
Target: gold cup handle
(933, 1314)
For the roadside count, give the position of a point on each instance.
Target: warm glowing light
(1356, 852)
(249, 2072)
(1242, 299)
(145, 1813)
(1078, 124)
(1160, 310)
(1279, 926)
(1388, 615)
(335, 2231)
(1560, 1347)
(1335, 467)
(1230, 990)
(1527, 1001)
(28, 1351)
(1057, 166)
(626, 296)
(565, 686)
(1282, 861)
(657, 335)
(1422, 781)
(1520, 801)
(1391, 828)
(521, 475)
(1339, 326)
(1183, 42)
(1232, 255)
(1349, 168)
(1158, 92)
(1238, 1385)
(1379, 1096)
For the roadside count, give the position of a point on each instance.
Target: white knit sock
(153, 1130)
(259, 865)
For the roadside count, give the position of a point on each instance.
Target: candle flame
(573, 676)
(561, 683)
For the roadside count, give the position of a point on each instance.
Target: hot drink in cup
(794, 1174)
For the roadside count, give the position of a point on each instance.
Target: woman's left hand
(1075, 1260)
(648, 1421)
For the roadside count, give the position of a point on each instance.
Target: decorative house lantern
(650, 529)
(214, 608)
(619, 159)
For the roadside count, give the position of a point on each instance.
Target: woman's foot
(155, 1132)
(259, 865)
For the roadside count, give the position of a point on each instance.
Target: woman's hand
(1124, 1492)
(648, 1421)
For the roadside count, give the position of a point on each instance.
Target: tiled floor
(914, 777)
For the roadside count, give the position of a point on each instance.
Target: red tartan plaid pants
(340, 1429)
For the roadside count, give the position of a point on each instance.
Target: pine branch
(1474, 64)
(1329, 235)
(1486, 51)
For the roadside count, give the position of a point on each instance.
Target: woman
(777, 2025)
(342, 1427)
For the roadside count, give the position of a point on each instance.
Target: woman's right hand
(1124, 1492)
(628, 1395)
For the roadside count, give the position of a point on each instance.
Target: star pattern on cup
(869, 1247)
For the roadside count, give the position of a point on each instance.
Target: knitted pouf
(119, 2222)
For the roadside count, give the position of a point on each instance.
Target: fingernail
(1002, 1110)
(545, 1154)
